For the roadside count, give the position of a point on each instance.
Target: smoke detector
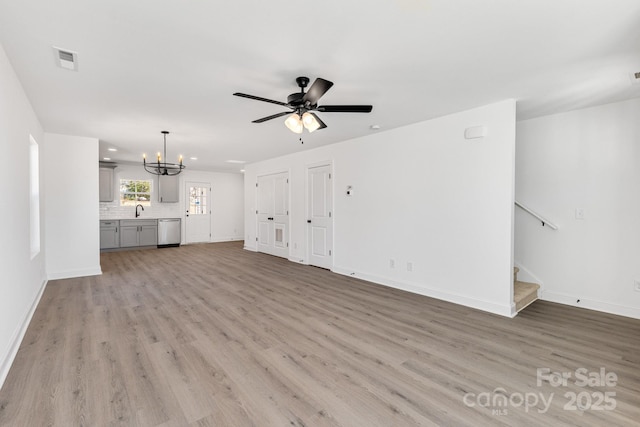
(66, 58)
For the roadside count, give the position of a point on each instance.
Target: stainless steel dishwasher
(168, 232)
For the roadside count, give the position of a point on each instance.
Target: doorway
(273, 214)
(197, 222)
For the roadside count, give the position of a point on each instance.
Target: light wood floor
(211, 335)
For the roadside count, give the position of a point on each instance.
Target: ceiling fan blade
(322, 124)
(257, 98)
(345, 108)
(317, 89)
(275, 116)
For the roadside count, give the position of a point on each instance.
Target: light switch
(579, 213)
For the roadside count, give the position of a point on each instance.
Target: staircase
(524, 293)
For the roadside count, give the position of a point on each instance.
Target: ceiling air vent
(66, 59)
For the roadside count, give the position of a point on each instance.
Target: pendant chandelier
(163, 168)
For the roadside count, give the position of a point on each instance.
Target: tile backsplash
(113, 210)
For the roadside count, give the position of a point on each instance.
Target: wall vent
(66, 59)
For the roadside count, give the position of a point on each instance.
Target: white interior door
(197, 222)
(320, 219)
(273, 214)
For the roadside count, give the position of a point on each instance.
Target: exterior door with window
(320, 219)
(273, 214)
(197, 222)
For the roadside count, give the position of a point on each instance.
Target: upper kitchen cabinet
(167, 189)
(107, 182)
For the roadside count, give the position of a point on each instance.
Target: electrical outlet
(409, 266)
(579, 213)
(392, 263)
(636, 285)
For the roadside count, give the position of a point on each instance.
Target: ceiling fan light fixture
(303, 105)
(310, 122)
(294, 123)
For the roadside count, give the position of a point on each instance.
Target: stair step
(524, 293)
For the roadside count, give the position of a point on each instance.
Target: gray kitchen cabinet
(109, 234)
(129, 236)
(168, 189)
(106, 180)
(141, 232)
(148, 235)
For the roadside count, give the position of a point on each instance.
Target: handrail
(540, 218)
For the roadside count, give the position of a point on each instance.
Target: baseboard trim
(491, 307)
(514, 312)
(590, 304)
(250, 248)
(18, 336)
(75, 273)
(226, 239)
(525, 275)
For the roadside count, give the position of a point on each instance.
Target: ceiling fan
(303, 104)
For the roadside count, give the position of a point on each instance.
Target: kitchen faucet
(137, 214)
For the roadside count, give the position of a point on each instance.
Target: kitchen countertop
(138, 219)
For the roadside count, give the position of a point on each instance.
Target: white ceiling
(151, 65)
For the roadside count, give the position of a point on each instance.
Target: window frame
(124, 183)
(196, 207)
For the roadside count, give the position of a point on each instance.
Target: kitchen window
(134, 192)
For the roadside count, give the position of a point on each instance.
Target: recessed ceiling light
(236, 161)
(374, 127)
(193, 158)
(106, 158)
(112, 149)
(242, 170)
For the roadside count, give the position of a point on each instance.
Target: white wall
(227, 221)
(71, 197)
(23, 278)
(422, 194)
(227, 203)
(586, 159)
